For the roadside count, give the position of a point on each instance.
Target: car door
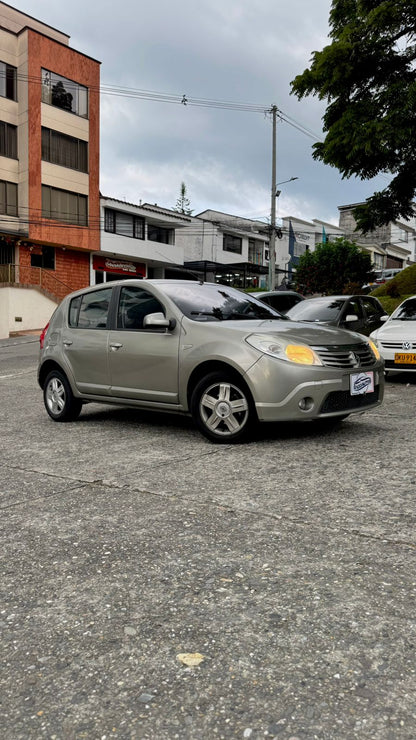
(353, 307)
(85, 341)
(143, 362)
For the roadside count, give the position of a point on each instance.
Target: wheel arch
(47, 367)
(214, 366)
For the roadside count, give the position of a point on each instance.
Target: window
(8, 140)
(159, 234)
(8, 78)
(64, 150)
(371, 307)
(62, 205)
(135, 304)
(353, 308)
(46, 260)
(255, 251)
(232, 243)
(8, 198)
(65, 94)
(90, 311)
(124, 224)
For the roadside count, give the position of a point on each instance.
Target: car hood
(298, 331)
(397, 330)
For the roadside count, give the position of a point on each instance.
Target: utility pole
(272, 241)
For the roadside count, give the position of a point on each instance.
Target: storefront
(240, 275)
(106, 269)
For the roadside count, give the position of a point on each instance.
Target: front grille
(346, 355)
(397, 345)
(343, 401)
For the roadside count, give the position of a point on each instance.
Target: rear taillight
(43, 335)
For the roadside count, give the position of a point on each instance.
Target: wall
(72, 271)
(30, 305)
(45, 53)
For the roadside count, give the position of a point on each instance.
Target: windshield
(316, 310)
(208, 302)
(405, 312)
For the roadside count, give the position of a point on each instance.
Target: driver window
(134, 304)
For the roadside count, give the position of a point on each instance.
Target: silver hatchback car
(202, 349)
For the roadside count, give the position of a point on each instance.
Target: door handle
(115, 346)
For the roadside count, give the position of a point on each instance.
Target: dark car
(280, 300)
(360, 313)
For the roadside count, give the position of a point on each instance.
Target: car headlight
(374, 349)
(301, 354)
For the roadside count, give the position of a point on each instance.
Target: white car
(396, 339)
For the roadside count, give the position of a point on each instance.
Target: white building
(224, 248)
(137, 241)
(393, 245)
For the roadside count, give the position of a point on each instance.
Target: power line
(176, 99)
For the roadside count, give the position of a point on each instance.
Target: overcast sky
(237, 51)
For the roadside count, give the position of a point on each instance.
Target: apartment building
(390, 246)
(49, 158)
(137, 241)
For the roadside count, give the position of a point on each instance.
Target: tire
(60, 402)
(222, 408)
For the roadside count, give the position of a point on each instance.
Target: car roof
(338, 297)
(275, 292)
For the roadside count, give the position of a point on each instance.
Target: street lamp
(278, 192)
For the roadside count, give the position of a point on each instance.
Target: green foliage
(367, 75)
(183, 203)
(332, 267)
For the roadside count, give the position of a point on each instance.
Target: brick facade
(72, 272)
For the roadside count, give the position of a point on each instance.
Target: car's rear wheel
(222, 408)
(60, 402)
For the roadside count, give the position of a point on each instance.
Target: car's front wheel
(60, 402)
(222, 408)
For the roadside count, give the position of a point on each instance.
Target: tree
(368, 77)
(332, 267)
(183, 203)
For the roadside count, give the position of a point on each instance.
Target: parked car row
(214, 352)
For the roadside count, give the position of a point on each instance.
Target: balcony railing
(34, 276)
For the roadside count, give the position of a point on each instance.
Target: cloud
(236, 51)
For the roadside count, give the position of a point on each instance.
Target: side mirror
(158, 320)
(384, 317)
(350, 318)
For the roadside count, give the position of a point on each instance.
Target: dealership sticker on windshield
(361, 383)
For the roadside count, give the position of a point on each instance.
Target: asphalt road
(287, 564)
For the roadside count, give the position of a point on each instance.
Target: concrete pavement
(287, 563)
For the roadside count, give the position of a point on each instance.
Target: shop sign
(120, 267)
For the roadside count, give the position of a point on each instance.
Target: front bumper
(283, 391)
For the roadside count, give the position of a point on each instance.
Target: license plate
(361, 383)
(405, 358)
